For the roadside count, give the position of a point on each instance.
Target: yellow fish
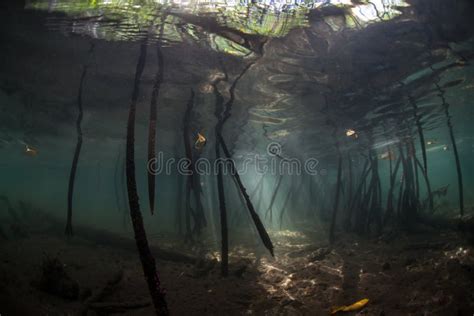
(354, 307)
(351, 132)
(30, 151)
(200, 141)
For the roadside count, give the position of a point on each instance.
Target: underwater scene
(236, 157)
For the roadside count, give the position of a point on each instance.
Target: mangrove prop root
(312, 197)
(257, 188)
(357, 196)
(188, 237)
(375, 208)
(189, 156)
(116, 184)
(336, 200)
(390, 170)
(196, 186)
(369, 195)
(223, 212)
(400, 194)
(146, 258)
(179, 206)
(77, 151)
(389, 211)
(237, 217)
(222, 113)
(371, 198)
(179, 192)
(349, 171)
(220, 183)
(409, 204)
(428, 186)
(455, 149)
(152, 124)
(192, 183)
(417, 182)
(289, 194)
(272, 201)
(123, 185)
(256, 219)
(260, 195)
(420, 132)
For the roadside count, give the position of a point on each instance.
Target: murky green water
(239, 129)
(318, 81)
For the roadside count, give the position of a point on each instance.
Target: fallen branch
(112, 240)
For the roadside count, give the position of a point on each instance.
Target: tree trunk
(146, 258)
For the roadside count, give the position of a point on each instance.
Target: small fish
(388, 155)
(206, 88)
(351, 132)
(30, 151)
(436, 148)
(354, 307)
(431, 142)
(468, 87)
(200, 142)
(386, 143)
